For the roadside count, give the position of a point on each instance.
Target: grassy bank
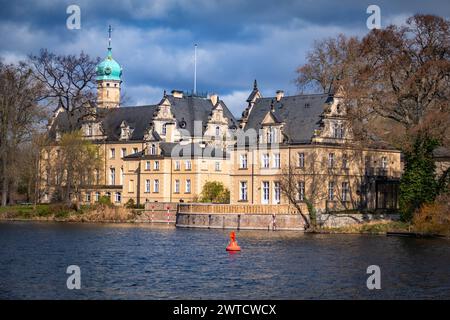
(62, 212)
(378, 227)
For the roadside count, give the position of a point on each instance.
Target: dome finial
(109, 37)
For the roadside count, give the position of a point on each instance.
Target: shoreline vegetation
(104, 213)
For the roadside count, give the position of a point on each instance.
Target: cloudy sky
(238, 40)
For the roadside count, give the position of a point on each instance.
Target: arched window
(89, 130)
(217, 131)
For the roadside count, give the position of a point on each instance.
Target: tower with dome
(109, 74)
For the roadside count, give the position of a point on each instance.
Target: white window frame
(148, 165)
(188, 186)
(156, 186)
(112, 153)
(265, 192)
(177, 165)
(331, 191)
(112, 176)
(243, 161)
(331, 160)
(218, 166)
(276, 192)
(345, 190)
(117, 197)
(147, 185)
(177, 186)
(301, 159)
(276, 160)
(156, 165)
(265, 161)
(187, 165)
(243, 191)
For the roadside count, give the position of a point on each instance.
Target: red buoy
(233, 246)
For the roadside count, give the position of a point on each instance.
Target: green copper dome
(109, 69)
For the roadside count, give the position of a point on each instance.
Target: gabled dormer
(254, 95)
(126, 131)
(164, 121)
(217, 126)
(334, 125)
(271, 127)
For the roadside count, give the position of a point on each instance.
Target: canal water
(119, 261)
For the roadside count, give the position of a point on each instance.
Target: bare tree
(20, 117)
(68, 81)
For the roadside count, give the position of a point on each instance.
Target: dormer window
(217, 131)
(164, 129)
(338, 131)
(125, 131)
(271, 135)
(89, 130)
(152, 149)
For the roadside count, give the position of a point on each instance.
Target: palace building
(166, 152)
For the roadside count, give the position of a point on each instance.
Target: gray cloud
(153, 40)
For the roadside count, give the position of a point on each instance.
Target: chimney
(214, 98)
(177, 94)
(280, 94)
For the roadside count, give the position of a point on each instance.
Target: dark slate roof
(138, 118)
(195, 109)
(301, 115)
(188, 108)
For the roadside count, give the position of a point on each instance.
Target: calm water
(147, 262)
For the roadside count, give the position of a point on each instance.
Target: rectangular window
(243, 161)
(265, 192)
(344, 161)
(331, 160)
(345, 191)
(276, 161)
(177, 186)
(265, 160)
(156, 186)
(121, 176)
(187, 165)
(88, 197)
(217, 166)
(112, 153)
(118, 197)
(301, 160)
(384, 162)
(112, 176)
(243, 191)
(97, 176)
(156, 165)
(276, 192)
(123, 152)
(135, 150)
(147, 185)
(331, 190)
(97, 196)
(177, 165)
(147, 165)
(188, 186)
